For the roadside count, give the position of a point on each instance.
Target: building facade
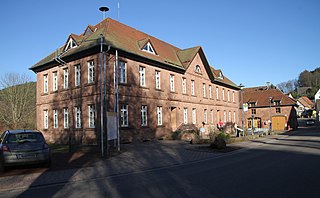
(160, 87)
(269, 108)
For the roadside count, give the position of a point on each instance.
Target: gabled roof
(216, 73)
(306, 102)
(131, 41)
(261, 95)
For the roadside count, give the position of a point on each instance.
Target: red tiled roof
(261, 96)
(306, 102)
(130, 40)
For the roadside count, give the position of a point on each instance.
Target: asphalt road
(284, 166)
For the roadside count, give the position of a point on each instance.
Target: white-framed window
(55, 118)
(123, 72)
(45, 119)
(65, 78)
(204, 90)
(229, 116)
(185, 115)
(224, 116)
(91, 116)
(124, 115)
(45, 83)
(171, 82)
(78, 117)
(77, 75)
(223, 98)
(205, 116)
(148, 48)
(71, 44)
(233, 99)
(184, 85)
(142, 76)
(55, 81)
(228, 94)
(192, 88)
(159, 116)
(234, 117)
(65, 118)
(217, 93)
(90, 71)
(144, 115)
(211, 116)
(158, 80)
(210, 91)
(194, 116)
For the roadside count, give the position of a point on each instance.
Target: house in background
(317, 104)
(159, 87)
(267, 104)
(317, 95)
(305, 107)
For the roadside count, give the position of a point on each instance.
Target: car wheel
(47, 164)
(2, 167)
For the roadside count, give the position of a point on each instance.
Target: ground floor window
(45, 119)
(159, 116)
(55, 118)
(194, 116)
(144, 115)
(65, 118)
(205, 116)
(78, 117)
(185, 115)
(91, 116)
(124, 115)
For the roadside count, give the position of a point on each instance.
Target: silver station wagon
(23, 147)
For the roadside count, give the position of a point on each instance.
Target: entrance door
(278, 123)
(173, 118)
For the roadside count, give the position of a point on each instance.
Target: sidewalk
(134, 158)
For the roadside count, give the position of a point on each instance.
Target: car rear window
(25, 137)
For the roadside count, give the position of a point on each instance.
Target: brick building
(267, 103)
(160, 86)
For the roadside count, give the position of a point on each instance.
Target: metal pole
(101, 98)
(117, 98)
(270, 98)
(242, 113)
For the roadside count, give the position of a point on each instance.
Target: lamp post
(102, 95)
(241, 99)
(270, 123)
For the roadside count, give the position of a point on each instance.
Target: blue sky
(252, 41)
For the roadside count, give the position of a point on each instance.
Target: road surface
(281, 166)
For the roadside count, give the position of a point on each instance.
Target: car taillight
(45, 146)
(5, 148)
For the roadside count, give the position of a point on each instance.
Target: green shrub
(224, 136)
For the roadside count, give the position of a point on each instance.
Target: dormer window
(71, 44)
(88, 31)
(252, 104)
(220, 75)
(197, 69)
(148, 48)
(277, 102)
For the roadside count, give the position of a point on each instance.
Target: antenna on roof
(104, 9)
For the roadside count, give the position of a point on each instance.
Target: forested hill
(307, 80)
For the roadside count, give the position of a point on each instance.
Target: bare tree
(17, 101)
